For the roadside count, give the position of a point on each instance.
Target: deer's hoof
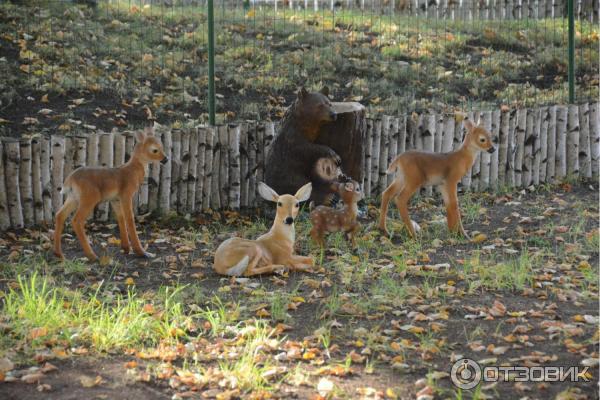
(145, 254)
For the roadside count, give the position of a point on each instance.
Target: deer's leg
(301, 263)
(127, 209)
(386, 197)
(317, 236)
(116, 206)
(267, 269)
(61, 216)
(402, 204)
(81, 215)
(452, 210)
(352, 234)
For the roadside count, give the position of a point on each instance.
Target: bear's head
(314, 107)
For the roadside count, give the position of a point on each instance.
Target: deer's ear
(266, 192)
(469, 124)
(303, 193)
(325, 91)
(302, 93)
(140, 136)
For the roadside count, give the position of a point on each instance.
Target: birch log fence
(219, 167)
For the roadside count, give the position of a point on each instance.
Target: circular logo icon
(465, 374)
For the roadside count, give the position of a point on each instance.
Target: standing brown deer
(417, 168)
(87, 186)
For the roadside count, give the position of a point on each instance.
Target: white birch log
(384, 152)
(369, 157)
(447, 133)
(57, 158)
(164, 188)
(261, 155)
(439, 132)
(401, 135)
(428, 138)
(93, 146)
(486, 158)
(184, 172)
(175, 169)
(25, 181)
(376, 156)
(595, 137)
(527, 171)
(503, 148)
(495, 155)
(36, 180)
(543, 136)
(552, 145)
(224, 182)
(585, 146)
(467, 179)
(573, 141)
(393, 147)
(252, 184)
(13, 194)
(561, 143)
(520, 132)
(192, 171)
(69, 155)
(201, 168)
(244, 165)
(215, 195)
(208, 168)
(46, 180)
(4, 213)
(119, 148)
(80, 152)
(536, 147)
(234, 133)
(106, 160)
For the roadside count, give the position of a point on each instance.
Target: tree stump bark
(345, 136)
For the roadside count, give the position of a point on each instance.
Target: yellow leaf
(113, 240)
(129, 281)
(38, 332)
(251, 13)
(147, 58)
(24, 68)
(262, 313)
(105, 261)
(481, 237)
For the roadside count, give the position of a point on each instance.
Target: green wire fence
(101, 64)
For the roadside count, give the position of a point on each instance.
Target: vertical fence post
(571, 51)
(211, 63)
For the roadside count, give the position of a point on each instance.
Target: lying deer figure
(327, 219)
(86, 187)
(272, 251)
(417, 168)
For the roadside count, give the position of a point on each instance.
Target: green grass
(512, 274)
(38, 306)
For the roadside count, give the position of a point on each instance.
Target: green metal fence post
(571, 51)
(211, 63)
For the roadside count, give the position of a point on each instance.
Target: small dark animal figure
(327, 219)
(293, 155)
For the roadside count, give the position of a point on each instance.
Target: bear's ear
(302, 93)
(325, 91)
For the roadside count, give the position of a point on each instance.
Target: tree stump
(345, 136)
